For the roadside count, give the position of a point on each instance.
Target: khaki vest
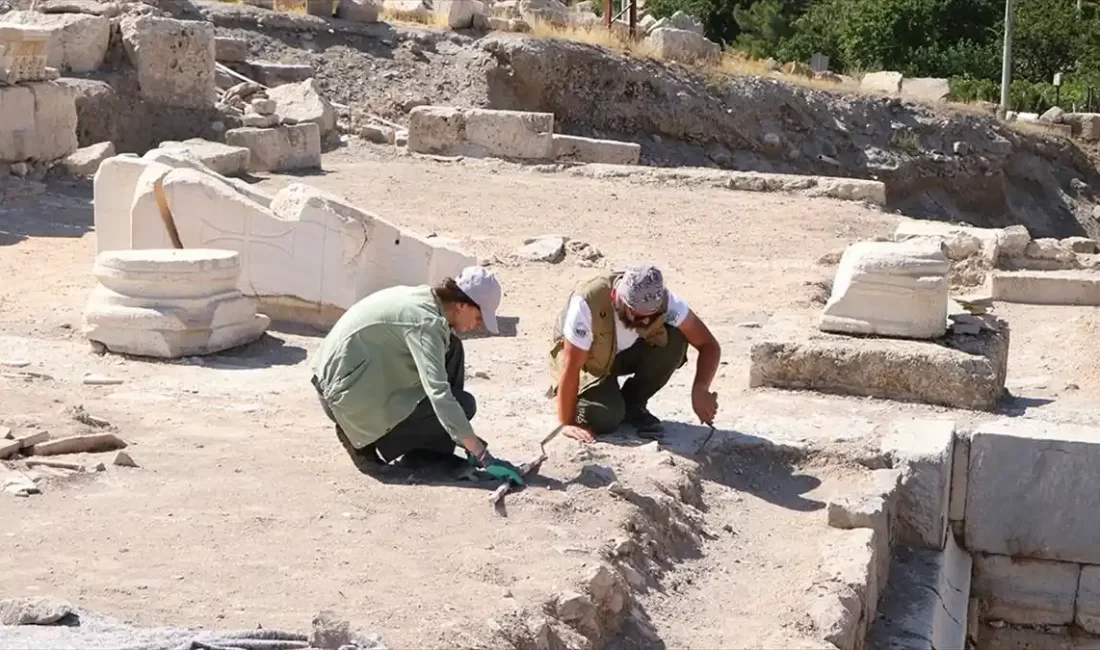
(601, 356)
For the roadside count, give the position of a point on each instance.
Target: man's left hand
(705, 404)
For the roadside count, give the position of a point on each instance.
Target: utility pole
(1006, 62)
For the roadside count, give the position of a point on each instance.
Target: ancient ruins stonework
(174, 60)
(170, 303)
(22, 53)
(306, 255)
(75, 43)
(37, 122)
(890, 289)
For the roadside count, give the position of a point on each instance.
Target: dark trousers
(421, 431)
(604, 406)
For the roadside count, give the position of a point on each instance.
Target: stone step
(1047, 287)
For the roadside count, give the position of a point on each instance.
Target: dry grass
(426, 18)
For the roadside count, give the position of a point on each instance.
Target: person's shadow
(737, 460)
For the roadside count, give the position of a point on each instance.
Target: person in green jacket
(391, 372)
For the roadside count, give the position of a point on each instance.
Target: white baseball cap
(482, 287)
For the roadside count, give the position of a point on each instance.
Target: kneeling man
(626, 324)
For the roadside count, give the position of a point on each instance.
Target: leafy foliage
(957, 39)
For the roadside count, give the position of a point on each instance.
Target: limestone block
(435, 129)
(113, 187)
(965, 372)
(37, 121)
(1047, 287)
(681, 45)
(1024, 591)
(1033, 491)
(682, 20)
(873, 507)
(925, 604)
(174, 60)
(458, 14)
(1087, 604)
(1013, 241)
(1080, 245)
(222, 158)
(86, 161)
(881, 82)
(187, 158)
(228, 49)
(957, 238)
(76, 42)
(447, 259)
(925, 89)
(510, 134)
(889, 289)
(923, 450)
(302, 102)
(1048, 248)
(170, 303)
(276, 74)
(23, 53)
(854, 570)
(590, 150)
(960, 467)
(359, 11)
(281, 148)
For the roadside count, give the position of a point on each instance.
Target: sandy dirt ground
(245, 511)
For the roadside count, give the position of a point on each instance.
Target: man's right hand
(579, 434)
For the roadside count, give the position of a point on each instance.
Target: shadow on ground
(65, 212)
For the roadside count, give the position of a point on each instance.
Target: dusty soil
(245, 511)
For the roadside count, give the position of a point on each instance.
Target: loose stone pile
(170, 303)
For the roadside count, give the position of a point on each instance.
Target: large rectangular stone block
(175, 60)
(1087, 605)
(923, 450)
(924, 607)
(511, 134)
(76, 42)
(281, 148)
(1026, 592)
(1033, 490)
(963, 371)
(590, 150)
(113, 186)
(37, 121)
(1047, 287)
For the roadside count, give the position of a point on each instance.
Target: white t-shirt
(577, 328)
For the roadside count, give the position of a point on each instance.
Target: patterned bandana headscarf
(642, 288)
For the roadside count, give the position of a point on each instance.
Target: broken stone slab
(90, 443)
(86, 161)
(32, 439)
(543, 249)
(228, 49)
(1025, 591)
(170, 303)
(843, 601)
(23, 53)
(298, 103)
(358, 11)
(257, 121)
(273, 75)
(174, 60)
(90, 7)
(959, 239)
(1072, 287)
(224, 159)
(123, 459)
(448, 130)
(1081, 245)
(964, 372)
(1030, 490)
(36, 610)
(9, 448)
(281, 148)
(875, 507)
(263, 106)
(38, 122)
(890, 289)
(924, 606)
(923, 449)
(591, 150)
(76, 42)
(378, 134)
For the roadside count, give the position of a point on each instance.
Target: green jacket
(382, 358)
